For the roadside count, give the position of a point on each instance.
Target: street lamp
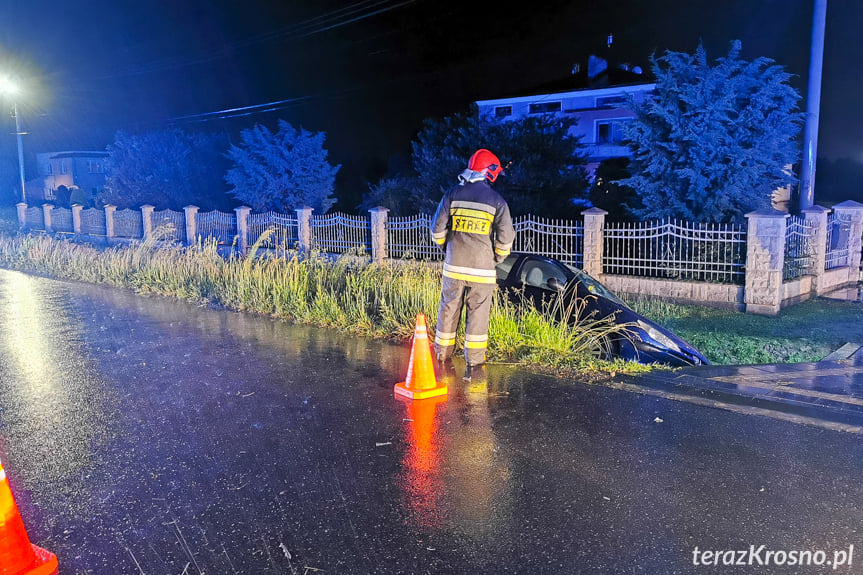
(9, 87)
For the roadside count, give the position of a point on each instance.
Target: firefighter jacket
(473, 225)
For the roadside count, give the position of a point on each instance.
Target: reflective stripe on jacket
(473, 225)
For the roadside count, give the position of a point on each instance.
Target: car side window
(537, 274)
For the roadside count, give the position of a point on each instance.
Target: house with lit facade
(84, 170)
(597, 97)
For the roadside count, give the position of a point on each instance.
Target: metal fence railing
(219, 225)
(93, 222)
(559, 239)
(837, 242)
(667, 249)
(338, 233)
(284, 230)
(799, 249)
(176, 221)
(410, 237)
(676, 250)
(128, 224)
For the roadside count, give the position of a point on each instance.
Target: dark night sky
(368, 72)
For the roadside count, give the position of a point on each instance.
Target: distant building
(597, 97)
(84, 170)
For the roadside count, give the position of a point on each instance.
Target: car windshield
(592, 285)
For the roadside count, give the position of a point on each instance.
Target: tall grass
(348, 294)
(546, 337)
(804, 332)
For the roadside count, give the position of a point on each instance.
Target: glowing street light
(10, 88)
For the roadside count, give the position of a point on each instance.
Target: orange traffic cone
(17, 555)
(420, 382)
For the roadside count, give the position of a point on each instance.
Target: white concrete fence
(758, 267)
(765, 288)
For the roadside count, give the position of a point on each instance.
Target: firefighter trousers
(476, 298)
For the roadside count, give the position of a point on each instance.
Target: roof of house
(596, 75)
(81, 154)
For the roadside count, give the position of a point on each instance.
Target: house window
(49, 169)
(544, 107)
(62, 167)
(502, 111)
(94, 167)
(610, 132)
(611, 101)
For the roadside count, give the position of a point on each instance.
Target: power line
(309, 27)
(287, 30)
(290, 102)
(236, 112)
(173, 62)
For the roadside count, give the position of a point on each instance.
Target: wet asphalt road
(149, 436)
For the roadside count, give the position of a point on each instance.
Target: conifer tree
(713, 142)
(166, 168)
(282, 171)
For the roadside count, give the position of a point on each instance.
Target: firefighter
(473, 226)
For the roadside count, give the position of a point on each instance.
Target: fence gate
(799, 249)
(837, 242)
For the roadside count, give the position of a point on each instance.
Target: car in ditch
(552, 286)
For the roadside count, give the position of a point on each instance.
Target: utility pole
(20, 152)
(813, 106)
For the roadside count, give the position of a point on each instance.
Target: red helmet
(486, 163)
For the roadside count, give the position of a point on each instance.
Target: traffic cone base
(420, 382)
(46, 563)
(17, 555)
(402, 389)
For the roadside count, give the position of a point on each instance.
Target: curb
(785, 391)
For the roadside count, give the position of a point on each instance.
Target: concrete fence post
(76, 218)
(109, 220)
(22, 214)
(243, 228)
(765, 258)
(46, 217)
(147, 220)
(304, 228)
(191, 223)
(851, 212)
(816, 217)
(594, 222)
(379, 233)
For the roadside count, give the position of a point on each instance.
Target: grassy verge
(348, 295)
(803, 332)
